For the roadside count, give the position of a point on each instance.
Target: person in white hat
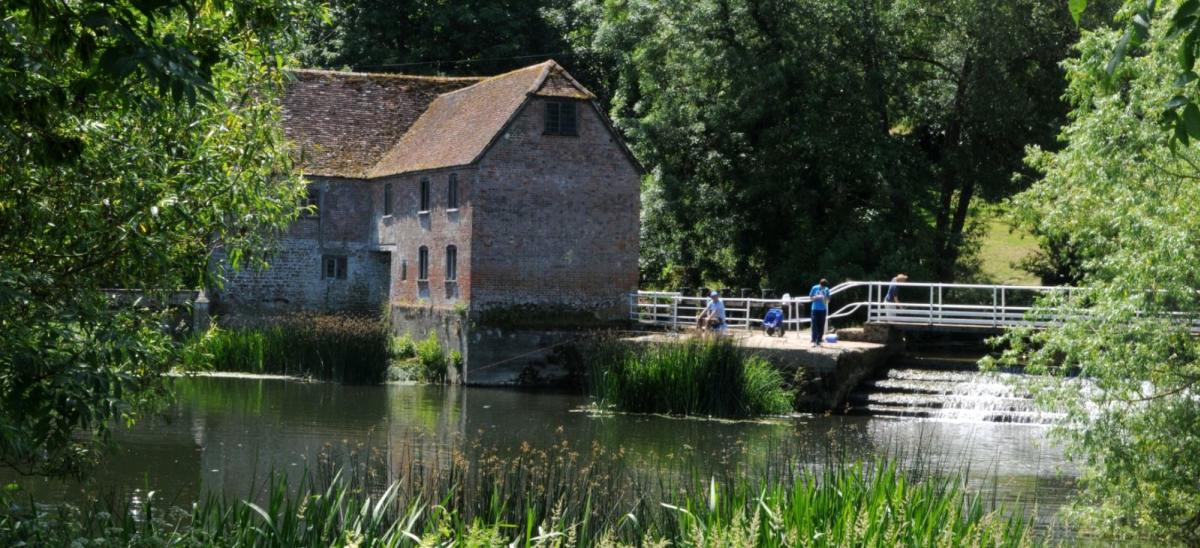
(713, 315)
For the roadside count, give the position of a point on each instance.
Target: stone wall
(556, 218)
(449, 326)
(295, 281)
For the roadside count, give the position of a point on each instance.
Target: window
(403, 270)
(560, 118)
(387, 198)
(334, 267)
(312, 202)
(423, 264)
(452, 192)
(424, 195)
(451, 263)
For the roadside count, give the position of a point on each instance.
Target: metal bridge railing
(927, 304)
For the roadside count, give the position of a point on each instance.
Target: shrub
(695, 377)
(343, 348)
(402, 347)
(432, 359)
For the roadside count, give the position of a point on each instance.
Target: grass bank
(709, 377)
(342, 348)
(553, 497)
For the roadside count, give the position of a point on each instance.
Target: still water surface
(224, 433)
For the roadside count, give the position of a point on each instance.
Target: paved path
(792, 341)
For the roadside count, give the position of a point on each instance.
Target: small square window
(312, 202)
(561, 118)
(333, 267)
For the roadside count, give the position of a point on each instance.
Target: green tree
(981, 81)
(765, 126)
(1122, 196)
(793, 140)
(433, 36)
(133, 135)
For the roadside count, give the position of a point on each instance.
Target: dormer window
(561, 118)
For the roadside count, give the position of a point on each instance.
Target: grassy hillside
(1001, 249)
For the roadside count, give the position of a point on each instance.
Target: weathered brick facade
(295, 280)
(556, 217)
(547, 211)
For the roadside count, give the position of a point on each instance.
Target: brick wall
(407, 229)
(556, 218)
(294, 280)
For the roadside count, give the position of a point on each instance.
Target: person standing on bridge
(892, 298)
(820, 310)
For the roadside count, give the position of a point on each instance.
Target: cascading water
(947, 388)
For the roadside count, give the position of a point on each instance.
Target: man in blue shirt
(893, 292)
(820, 308)
(713, 316)
(892, 298)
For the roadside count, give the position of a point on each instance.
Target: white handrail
(674, 310)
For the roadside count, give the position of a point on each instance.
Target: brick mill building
(465, 194)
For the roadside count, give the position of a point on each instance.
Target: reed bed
(557, 496)
(343, 348)
(712, 377)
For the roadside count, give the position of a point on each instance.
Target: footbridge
(922, 306)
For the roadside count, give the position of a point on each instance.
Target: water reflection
(224, 434)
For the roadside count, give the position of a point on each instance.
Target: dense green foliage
(433, 37)
(712, 377)
(792, 140)
(1181, 113)
(553, 498)
(133, 135)
(349, 349)
(432, 359)
(1124, 201)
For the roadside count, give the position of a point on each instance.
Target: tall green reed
(692, 377)
(554, 496)
(343, 348)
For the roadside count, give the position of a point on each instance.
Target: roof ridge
(394, 75)
(547, 66)
(486, 79)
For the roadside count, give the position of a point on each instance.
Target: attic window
(561, 118)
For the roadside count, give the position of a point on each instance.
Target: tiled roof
(343, 122)
(460, 125)
(374, 125)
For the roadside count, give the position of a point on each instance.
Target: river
(223, 434)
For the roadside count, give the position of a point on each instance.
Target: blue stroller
(773, 322)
